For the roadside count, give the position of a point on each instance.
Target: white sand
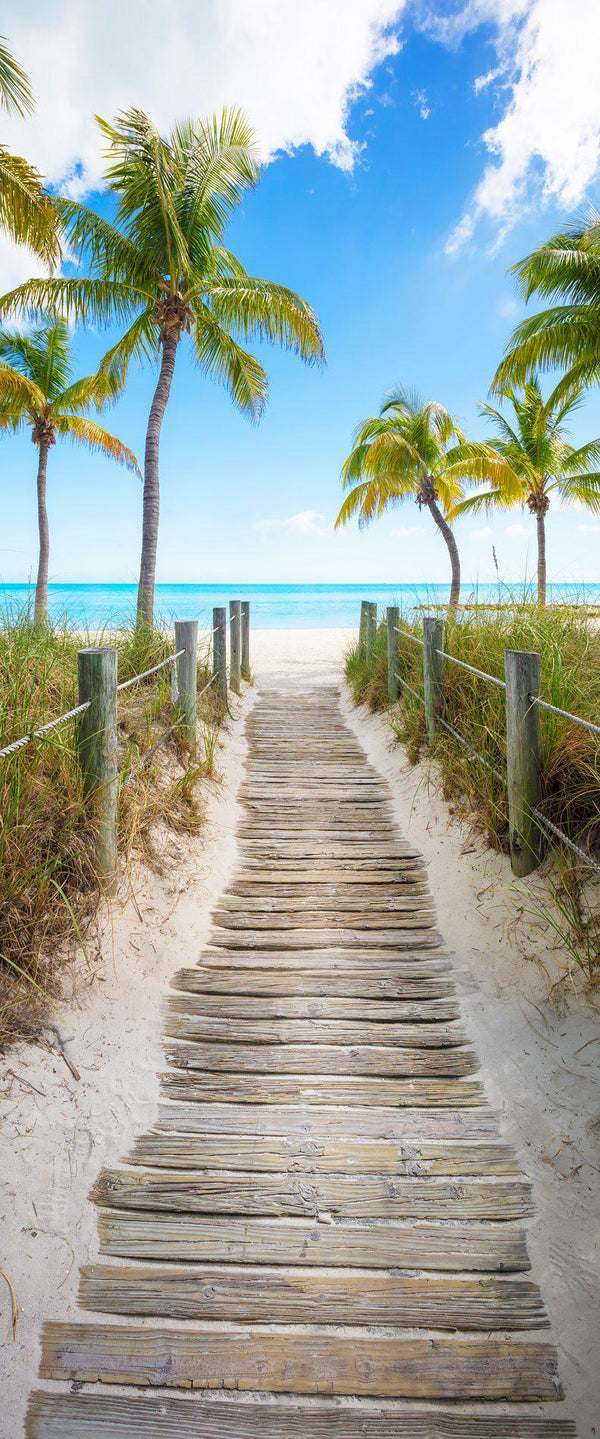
(538, 1075)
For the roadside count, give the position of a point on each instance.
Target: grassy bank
(570, 679)
(48, 891)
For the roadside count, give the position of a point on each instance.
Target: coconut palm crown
(535, 460)
(162, 271)
(36, 391)
(26, 211)
(411, 450)
(565, 270)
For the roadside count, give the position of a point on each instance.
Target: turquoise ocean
(97, 607)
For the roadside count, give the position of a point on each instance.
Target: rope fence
(97, 735)
(523, 778)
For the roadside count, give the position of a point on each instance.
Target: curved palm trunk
(446, 532)
(40, 613)
(541, 562)
(145, 602)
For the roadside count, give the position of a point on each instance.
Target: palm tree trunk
(40, 612)
(145, 603)
(446, 532)
(541, 563)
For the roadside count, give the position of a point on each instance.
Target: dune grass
(48, 890)
(569, 646)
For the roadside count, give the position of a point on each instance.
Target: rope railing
(18, 744)
(523, 777)
(483, 675)
(476, 755)
(98, 693)
(553, 709)
(126, 684)
(408, 636)
(564, 838)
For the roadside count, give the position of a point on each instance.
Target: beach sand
(539, 1057)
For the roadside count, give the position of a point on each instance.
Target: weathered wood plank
(256, 1359)
(286, 901)
(258, 1030)
(308, 1121)
(254, 1153)
(342, 1195)
(319, 1089)
(393, 1061)
(330, 920)
(410, 962)
(349, 1010)
(264, 1294)
(394, 938)
(110, 1416)
(397, 981)
(444, 1248)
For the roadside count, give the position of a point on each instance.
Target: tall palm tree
(161, 268)
(567, 335)
(26, 211)
(536, 460)
(36, 391)
(408, 451)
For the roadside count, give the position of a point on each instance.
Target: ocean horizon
(274, 606)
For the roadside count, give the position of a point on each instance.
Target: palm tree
(36, 391)
(162, 269)
(26, 211)
(535, 459)
(565, 270)
(408, 451)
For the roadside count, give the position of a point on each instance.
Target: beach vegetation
(537, 461)
(37, 392)
(27, 213)
(472, 779)
(161, 269)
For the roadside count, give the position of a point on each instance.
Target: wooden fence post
(433, 641)
(371, 630)
(186, 639)
(245, 612)
(362, 633)
(220, 653)
(235, 646)
(393, 616)
(97, 751)
(523, 759)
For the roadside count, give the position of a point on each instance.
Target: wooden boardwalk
(325, 1217)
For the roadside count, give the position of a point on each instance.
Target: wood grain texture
(256, 1359)
(110, 1416)
(258, 1153)
(342, 1195)
(308, 1121)
(319, 1089)
(421, 1014)
(398, 982)
(336, 1059)
(259, 1293)
(446, 1248)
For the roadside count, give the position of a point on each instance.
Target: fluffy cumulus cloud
(295, 69)
(546, 144)
(306, 522)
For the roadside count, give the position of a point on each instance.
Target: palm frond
(140, 342)
(225, 360)
(26, 212)
(96, 302)
(261, 309)
(15, 89)
(220, 160)
(94, 437)
(583, 488)
(143, 172)
(109, 254)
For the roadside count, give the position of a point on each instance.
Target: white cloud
(404, 531)
(547, 143)
(482, 534)
(516, 532)
(295, 69)
(589, 529)
(508, 308)
(306, 522)
(420, 101)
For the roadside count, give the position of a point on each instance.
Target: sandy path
(56, 1136)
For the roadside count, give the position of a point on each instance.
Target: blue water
(272, 606)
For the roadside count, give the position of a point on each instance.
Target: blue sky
(365, 232)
